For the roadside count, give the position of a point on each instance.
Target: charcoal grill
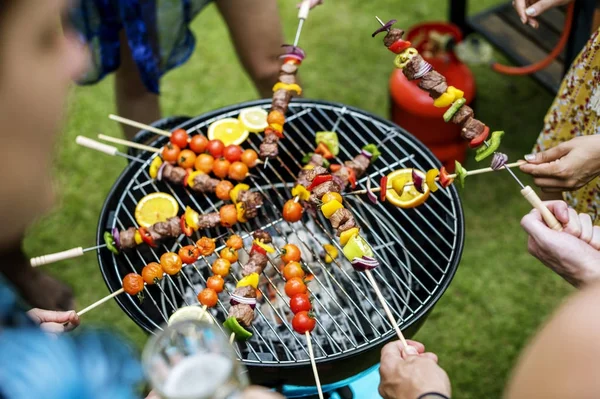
(419, 249)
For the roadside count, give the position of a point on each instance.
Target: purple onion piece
(385, 27)
(499, 160)
(366, 154)
(423, 70)
(289, 49)
(418, 181)
(117, 237)
(365, 263)
(236, 300)
(370, 194)
(160, 171)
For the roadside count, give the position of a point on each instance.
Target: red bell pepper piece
(324, 150)
(399, 46)
(185, 179)
(445, 180)
(335, 167)
(352, 178)
(291, 60)
(319, 180)
(478, 141)
(383, 185)
(257, 248)
(187, 230)
(147, 237)
(270, 130)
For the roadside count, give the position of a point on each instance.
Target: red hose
(529, 69)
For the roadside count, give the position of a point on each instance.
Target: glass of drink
(192, 359)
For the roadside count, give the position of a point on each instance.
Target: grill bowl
(419, 249)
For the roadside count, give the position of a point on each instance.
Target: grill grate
(419, 249)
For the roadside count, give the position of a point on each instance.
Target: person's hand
(55, 322)
(529, 9)
(313, 3)
(260, 393)
(568, 166)
(572, 253)
(407, 373)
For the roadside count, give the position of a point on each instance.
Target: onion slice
(387, 26)
(365, 263)
(418, 180)
(117, 237)
(160, 171)
(370, 194)
(424, 68)
(294, 50)
(366, 154)
(499, 160)
(236, 299)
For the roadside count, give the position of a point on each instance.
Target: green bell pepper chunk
(240, 332)
(357, 247)
(373, 150)
(461, 173)
(109, 240)
(307, 157)
(330, 139)
(485, 151)
(453, 109)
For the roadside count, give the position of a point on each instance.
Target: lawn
(500, 295)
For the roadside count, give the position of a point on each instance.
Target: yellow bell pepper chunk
(276, 126)
(309, 167)
(301, 192)
(348, 234)
(329, 208)
(443, 101)
(288, 87)
(250, 280)
(192, 218)
(332, 195)
(192, 176)
(154, 167)
(331, 253)
(241, 212)
(454, 91)
(138, 238)
(264, 246)
(233, 194)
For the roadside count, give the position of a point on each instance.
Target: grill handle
(95, 145)
(51, 258)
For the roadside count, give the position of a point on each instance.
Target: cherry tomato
(293, 269)
(249, 157)
(179, 137)
(295, 286)
(133, 283)
(300, 303)
(215, 148)
(238, 171)
(332, 196)
(189, 254)
(208, 297)
(215, 283)
(303, 322)
(228, 215)
(222, 190)
(170, 153)
(171, 263)
(276, 117)
(290, 253)
(204, 163)
(152, 273)
(292, 211)
(221, 168)
(186, 159)
(206, 246)
(233, 152)
(198, 143)
(235, 242)
(221, 267)
(230, 254)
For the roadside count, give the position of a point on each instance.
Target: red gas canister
(412, 108)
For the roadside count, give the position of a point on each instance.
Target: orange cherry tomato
(171, 263)
(295, 286)
(206, 246)
(292, 211)
(215, 283)
(198, 143)
(293, 269)
(221, 267)
(221, 167)
(249, 157)
(276, 117)
(152, 273)
(235, 242)
(179, 137)
(208, 297)
(230, 254)
(186, 159)
(222, 190)
(290, 253)
(133, 283)
(332, 196)
(204, 163)
(238, 171)
(170, 153)
(228, 215)
(189, 254)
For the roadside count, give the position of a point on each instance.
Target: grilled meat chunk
(347, 225)
(413, 67)
(324, 188)
(262, 235)
(340, 217)
(156, 236)
(431, 79)
(339, 181)
(271, 139)
(438, 90)
(204, 183)
(343, 174)
(259, 258)
(316, 160)
(462, 115)
(472, 128)
(127, 238)
(269, 150)
(359, 165)
(289, 68)
(162, 228)
(251, 203)
(209, 220)
(281, 100)
(243, 313)
(173, 174)
(174, 226)
(245, 292)
(306, 176)
(251, 267)
(392, 36)
(287, 78)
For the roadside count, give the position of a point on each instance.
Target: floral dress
(576, 112)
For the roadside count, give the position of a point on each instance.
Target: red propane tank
(412, 108)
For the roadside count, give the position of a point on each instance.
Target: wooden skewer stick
(314, 364)
(452, 176)
(100, 302)
(127, 143)
(231, 338)
(139, 125)
(386, 307)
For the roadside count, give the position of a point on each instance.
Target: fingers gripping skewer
(385, 306)
(139, 125)
(313, 364)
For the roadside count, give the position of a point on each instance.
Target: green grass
(499, 296)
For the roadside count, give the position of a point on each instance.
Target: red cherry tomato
(303, 322)
(179, 137)
(300, 303)
(215, 148)
(198, 143)
(295, 286)
(170, 152)
(189, 254)
(233, 153)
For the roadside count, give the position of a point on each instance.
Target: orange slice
(155, 207)
(409, 197)
(228, 130)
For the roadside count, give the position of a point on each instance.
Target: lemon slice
(410, 197)
(190, 313)
(155, 207)
(228, 130)
(254, 119)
